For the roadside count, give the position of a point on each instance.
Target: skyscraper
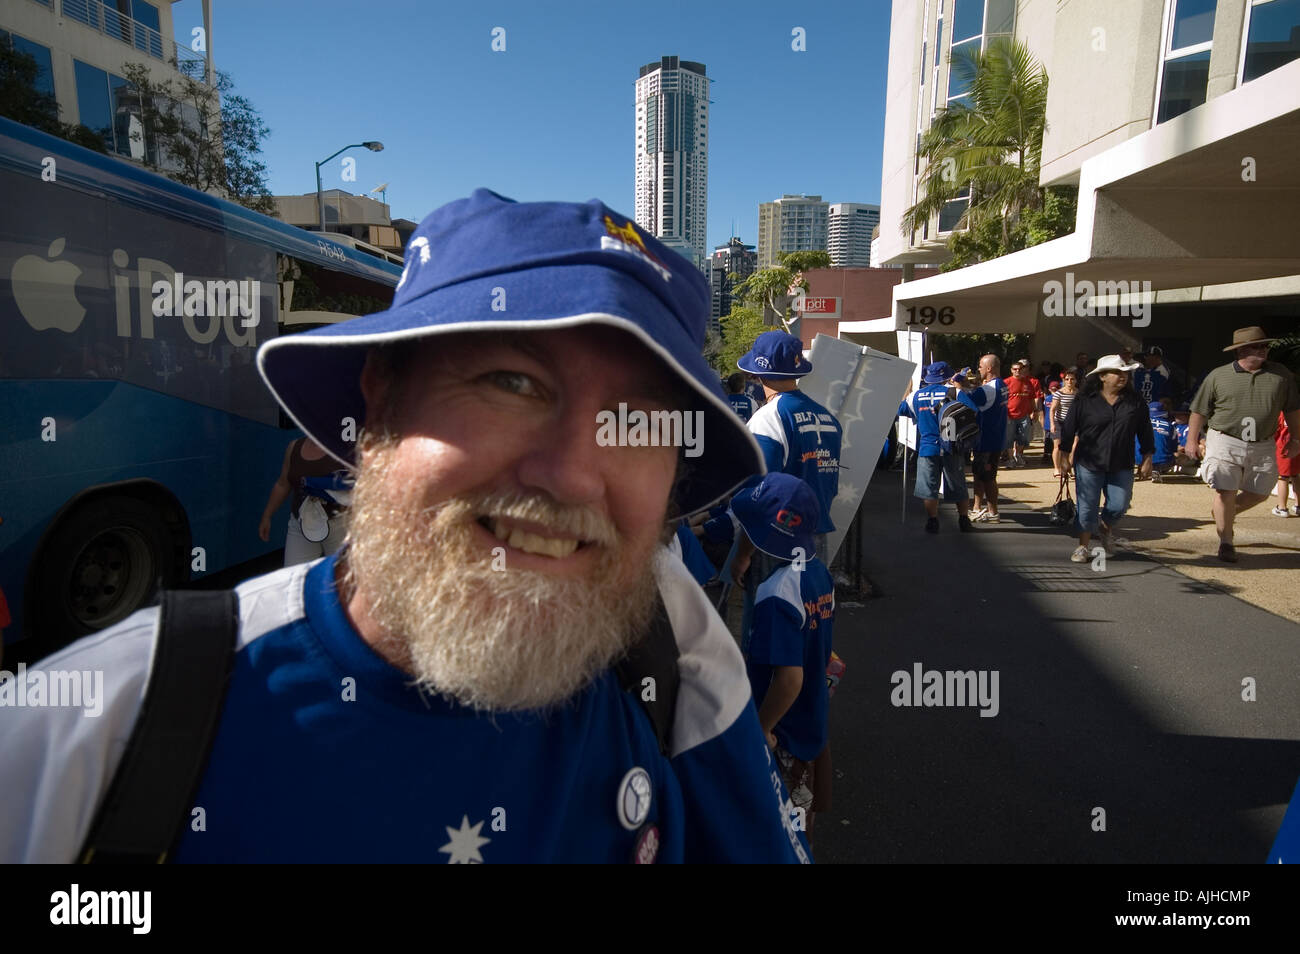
(848, 233)
(672, 154)
(734, 258)
(793, 223)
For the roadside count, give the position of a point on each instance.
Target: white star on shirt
(465, 843)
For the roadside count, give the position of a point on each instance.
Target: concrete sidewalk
(1120, 690)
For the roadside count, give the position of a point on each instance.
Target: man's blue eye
(514, 382)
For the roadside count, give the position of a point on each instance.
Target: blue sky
(552, 116)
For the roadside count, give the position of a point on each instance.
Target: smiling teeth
(532, 543)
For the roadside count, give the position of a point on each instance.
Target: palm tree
(992, 147)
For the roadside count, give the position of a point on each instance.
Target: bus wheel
(103, 562)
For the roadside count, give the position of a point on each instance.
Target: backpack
(148, 802)
(959, 426)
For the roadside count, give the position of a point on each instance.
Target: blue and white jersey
(801, 438)
(1180, 431)
(326, 753)
(923, 405)
(755, 390)
(794, 611)
(685, 545)
(1166, 437)
(990, 401)
(1151, 384)
(743, 405)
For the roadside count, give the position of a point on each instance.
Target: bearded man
(458, 684)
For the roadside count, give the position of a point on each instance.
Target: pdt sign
(818, 307)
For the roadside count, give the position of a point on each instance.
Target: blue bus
(137, 441)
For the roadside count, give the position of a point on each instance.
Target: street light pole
(320, 198)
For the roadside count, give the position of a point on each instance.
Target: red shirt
(1021, 395)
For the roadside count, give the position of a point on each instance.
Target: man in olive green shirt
(1240, 402)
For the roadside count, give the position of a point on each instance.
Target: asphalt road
(1118, 689)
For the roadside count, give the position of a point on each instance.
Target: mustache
(580, 522)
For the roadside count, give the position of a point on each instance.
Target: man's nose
(563, 458)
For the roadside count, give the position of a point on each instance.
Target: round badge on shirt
(634, 795)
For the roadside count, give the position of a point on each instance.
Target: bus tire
(104, 560)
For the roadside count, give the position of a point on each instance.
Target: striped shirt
(1060, 407)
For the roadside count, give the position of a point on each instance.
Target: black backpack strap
(150, 797)
(656, 657)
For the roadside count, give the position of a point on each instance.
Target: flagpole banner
(911, 346)
(862, 388)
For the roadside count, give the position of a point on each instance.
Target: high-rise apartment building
(848, 233)
(734, 258)
(793, 223)
(672, 154)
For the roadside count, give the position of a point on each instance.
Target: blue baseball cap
(936, 373)
(776, 354)
(779, 513)
(1155, 407)
(555, 265)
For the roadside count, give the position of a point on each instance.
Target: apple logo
(46, 292)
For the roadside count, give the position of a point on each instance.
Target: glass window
(92, 100)
(41, 54)
(1183, 85)
(1193, 23)
(128, 125)
(1001, 16)
(961, 73)
(938, 42)
(951, 214)
(967, 19)
(1273, 39)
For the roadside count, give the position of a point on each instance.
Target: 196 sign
(928, 316)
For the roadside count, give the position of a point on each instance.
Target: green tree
(991, 152)
(771, 286)
(203, 136)
(23, 102)
(739, 329)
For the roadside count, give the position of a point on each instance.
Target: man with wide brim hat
(796, 435)
(503, 618)
(789, 646)
(1240, 403)
(936, 462)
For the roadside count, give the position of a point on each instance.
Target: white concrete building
(81, 46)
(1178, 120)
(792, 223)
(672, 155)
(848, 233)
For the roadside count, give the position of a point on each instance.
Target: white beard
(489, 639)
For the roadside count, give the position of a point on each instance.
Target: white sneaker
(1080, 555)
(979, 515)
(991, 518)
(1280, 512)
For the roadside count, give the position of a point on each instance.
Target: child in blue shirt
(789, 644)
(1166, 437)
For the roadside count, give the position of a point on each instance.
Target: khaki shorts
(1234, 464)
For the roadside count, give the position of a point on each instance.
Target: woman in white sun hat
(1097, 441)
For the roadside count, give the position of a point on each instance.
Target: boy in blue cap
(924, 406)
(789, 645)
(503, 663)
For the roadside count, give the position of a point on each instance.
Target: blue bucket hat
(776, 354)
(779, 513)
(561, 265)
(936, 373)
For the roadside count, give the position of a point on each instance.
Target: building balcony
(112, 22)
